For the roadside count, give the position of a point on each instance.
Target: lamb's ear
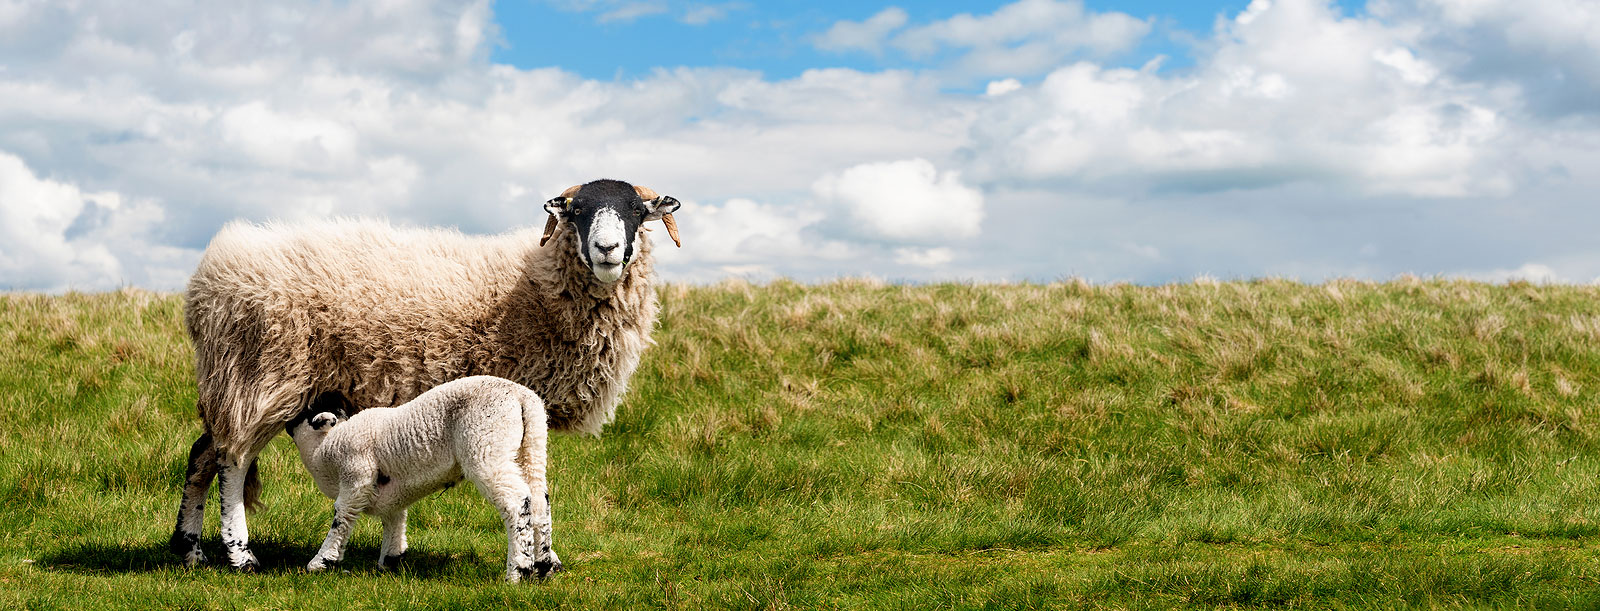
(661, 207)
(323, 421)
(558, 208)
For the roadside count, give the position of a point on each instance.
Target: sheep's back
(377, 312)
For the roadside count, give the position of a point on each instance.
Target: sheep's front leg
(394, 539)
(235, 531)
(353, 499)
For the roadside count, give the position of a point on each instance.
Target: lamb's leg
(354, 498)
(514, 501)
(545, 560)
(531, 461)
(235, 531)
(394, 540)
(191, 510)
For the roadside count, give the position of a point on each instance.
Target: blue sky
(996, 141)
(774, 37)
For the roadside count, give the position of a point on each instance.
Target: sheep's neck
(571, 314)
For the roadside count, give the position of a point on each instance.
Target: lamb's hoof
(544, 568)
(247, 564)
(389, 563)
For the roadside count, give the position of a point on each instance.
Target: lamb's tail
(535, 433)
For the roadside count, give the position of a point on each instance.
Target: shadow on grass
(277, 557)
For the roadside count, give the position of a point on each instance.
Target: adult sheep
(363, 314)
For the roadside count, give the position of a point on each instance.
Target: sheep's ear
(558, 208)
(661, 207)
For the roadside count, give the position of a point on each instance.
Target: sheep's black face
(607, 214)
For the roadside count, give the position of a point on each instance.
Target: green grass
(851, 445)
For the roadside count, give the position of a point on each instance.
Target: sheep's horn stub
(571, 191)
(672, 228)
(647, 194)
(549, 229)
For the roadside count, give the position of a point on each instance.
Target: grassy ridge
(850, 444)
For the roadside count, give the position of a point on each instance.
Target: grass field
(854, 444)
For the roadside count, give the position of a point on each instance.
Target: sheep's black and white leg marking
(191, 509)
(351, 502)
(235, 531)
(394, 539)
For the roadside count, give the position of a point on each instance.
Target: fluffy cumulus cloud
(57, 237)
(1290, 93)
(1300, 142)
(906, 201)
(1549, 49)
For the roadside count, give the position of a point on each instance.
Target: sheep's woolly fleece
(281, 313)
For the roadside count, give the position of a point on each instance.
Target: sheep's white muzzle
(607, 248)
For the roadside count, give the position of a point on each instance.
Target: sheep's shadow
(277, 556)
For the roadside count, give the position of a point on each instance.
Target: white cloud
(632, 11)
(1298, 139)
(54, 236)
(1290, 92)
(1022, 38)
(1548, 49)
(1002, 87)
(924, 257)
(868, 35)
(702, 14)
(754, 240)
(1531, 272)
(907, 201)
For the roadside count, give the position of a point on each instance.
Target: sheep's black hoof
(250, 565)
(389, 563)
(183, 543)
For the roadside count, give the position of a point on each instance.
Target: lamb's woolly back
(282, 312)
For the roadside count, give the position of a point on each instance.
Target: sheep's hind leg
(191, 510)
(235, 530)
(394, 540)
(353, 499)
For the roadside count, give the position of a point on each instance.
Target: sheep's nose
(605, 249)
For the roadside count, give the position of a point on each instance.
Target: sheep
(485, 429)
(365, 314)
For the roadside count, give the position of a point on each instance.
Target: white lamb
(486, 429)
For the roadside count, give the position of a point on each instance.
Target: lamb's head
(308, 430)
(608, 217)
